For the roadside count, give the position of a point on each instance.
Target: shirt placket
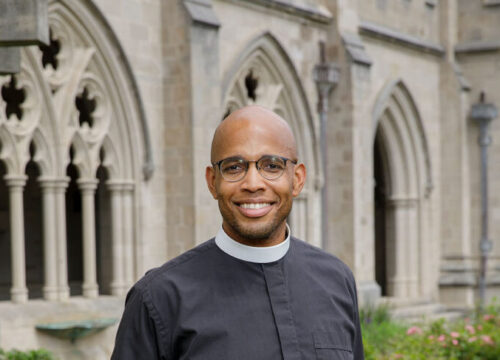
(280, 304)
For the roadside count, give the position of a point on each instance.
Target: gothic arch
(79, 93)
(399, 134)
(396, 103)
(264, 74)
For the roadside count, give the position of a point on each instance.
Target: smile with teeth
(254, 205)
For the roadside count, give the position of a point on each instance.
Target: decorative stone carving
(73, 93)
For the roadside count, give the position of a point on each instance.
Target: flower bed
(473, 338)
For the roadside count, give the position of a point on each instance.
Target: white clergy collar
(253, 254)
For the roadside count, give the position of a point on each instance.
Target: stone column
(60, 186)
(205, 93)
(87, 188)
(19, 291)
(457, 277)
(117, 240)
(413, 250)
(397, 248)
(128, 233)
(50, 289)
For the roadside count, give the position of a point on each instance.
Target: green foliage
(474, 338)
(374, 314)
(40, 354)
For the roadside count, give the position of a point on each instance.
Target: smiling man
(254, 291)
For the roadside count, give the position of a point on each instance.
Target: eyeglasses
(270, 167)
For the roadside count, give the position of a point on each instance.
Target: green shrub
(374, 314)
(40, 354)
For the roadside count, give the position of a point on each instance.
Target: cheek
(223, 191)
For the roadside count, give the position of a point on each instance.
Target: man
(253, 292)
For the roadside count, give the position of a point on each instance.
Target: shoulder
(319, 258)
(188, 262)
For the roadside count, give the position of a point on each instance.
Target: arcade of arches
(68, 169)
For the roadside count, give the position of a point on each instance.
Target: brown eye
(271, 165)
(232, 167)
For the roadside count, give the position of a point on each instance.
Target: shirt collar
(253, 254)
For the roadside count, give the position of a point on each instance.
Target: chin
(255, 232)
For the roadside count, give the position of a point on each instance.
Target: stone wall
(414, 18)
(478, 21)
(18, 327)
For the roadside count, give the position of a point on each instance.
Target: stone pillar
(396, 248)
(128, 233)
(50, 289)
(402, 245)
(206, 113)
(60, 186)
(349, 171)
(117, 240)
(412, 265)
(457, 277)
(19, 291)
(87, 188)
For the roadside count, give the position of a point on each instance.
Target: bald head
(253, 121)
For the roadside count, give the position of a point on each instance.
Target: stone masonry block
(10, 60)
(23, 22)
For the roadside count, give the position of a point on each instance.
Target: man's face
(255, 209)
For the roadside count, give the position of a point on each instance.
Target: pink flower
(470, 329)
(472, 339)
(454, 334)
(455, 342)
(488, 317)
(414, 330)
(398, 356)
(487, 339)
(441, 338)
(480, 327)
(430, 337)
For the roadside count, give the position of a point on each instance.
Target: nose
(252, 181)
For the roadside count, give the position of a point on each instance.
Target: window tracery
(71, 107)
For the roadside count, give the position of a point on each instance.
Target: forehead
(252, 139)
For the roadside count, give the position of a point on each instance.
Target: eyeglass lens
(269, 167)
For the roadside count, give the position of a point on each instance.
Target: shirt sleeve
(357, 346)
(138, 335)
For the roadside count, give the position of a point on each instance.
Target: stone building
(105, 134)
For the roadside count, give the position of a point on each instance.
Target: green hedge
(476, 337)
(40, 354)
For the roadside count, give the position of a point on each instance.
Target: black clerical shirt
(209, 305)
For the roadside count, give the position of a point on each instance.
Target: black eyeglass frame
(247, 165)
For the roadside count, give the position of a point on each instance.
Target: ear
(299, 179)
(210, 177)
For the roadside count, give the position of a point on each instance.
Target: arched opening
(103, 234)
(380, 197)
(402, 185)
(74, 232)
(79, 87)
(33, 230)
(5, 251)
